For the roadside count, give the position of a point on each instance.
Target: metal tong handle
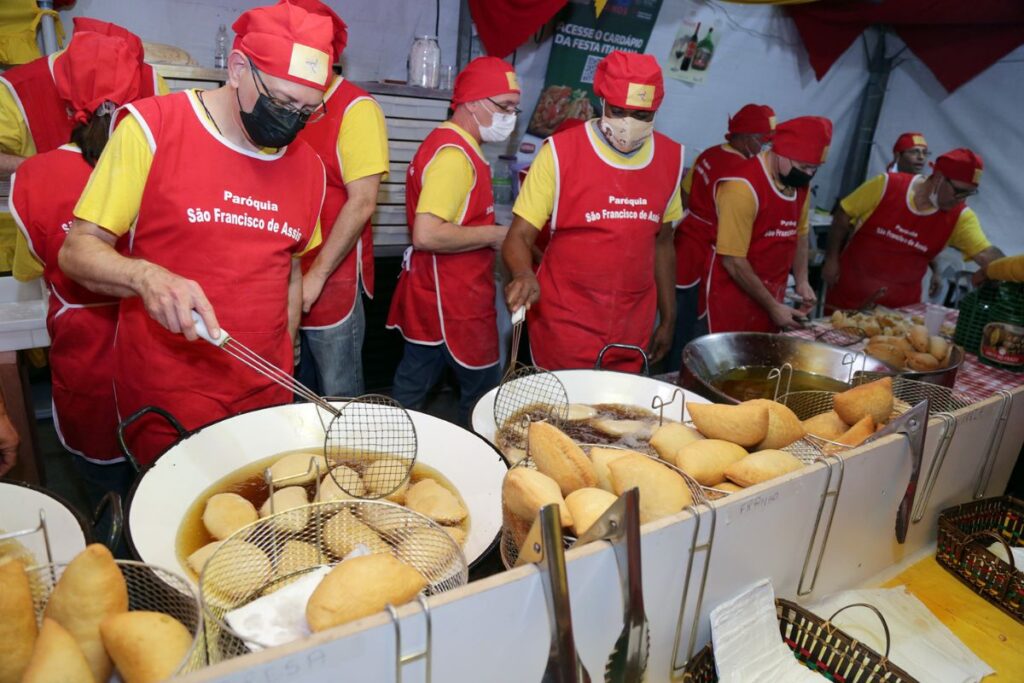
(914, 425)
(260, 364)
(518, 316)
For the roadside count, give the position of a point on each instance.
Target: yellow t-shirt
(363, 142)
(112, 197)
(448, 180)
(536, 200)
(967, 236)
(1009, 268)
(737, 210)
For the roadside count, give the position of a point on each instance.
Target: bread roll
(290, 499)
(226, 513)
(707, 459)
(938, 347)
(347, 478)
(343, 533)
(587, 505)
(526, 491)
(558, 456)
(745, 424)
(855, 436)
(826, 426)
(198, 559)
(601, 457)
(296, 469)
(919, 338)
(147, 647)
(922, 362)
(761, 466)
(672, 436)
(874, 399)
(360, 587)
(662, 491)
(784, 426)
(90, 589)
(379, 479)
(57, 658)
(429, 498)
(887, 353)
(17, 621)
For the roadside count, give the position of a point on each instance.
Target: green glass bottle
(705, 48)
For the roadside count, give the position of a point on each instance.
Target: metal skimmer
(367, 431)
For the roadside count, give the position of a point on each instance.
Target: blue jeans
(421, 368)
(332, 358)
(687, 325)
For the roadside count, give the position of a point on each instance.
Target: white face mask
(626, 134)
(501, 127)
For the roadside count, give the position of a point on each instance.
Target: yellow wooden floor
(988, 631)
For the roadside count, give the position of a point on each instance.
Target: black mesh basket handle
(991, 534)
(122, 429)
(599, 363)
(885, 626)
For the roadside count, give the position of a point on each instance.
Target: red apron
(338, 297)
(44, 111)
(449, 298)
(232, 220)
(891, 249)
(80, 322)
(695, 235)
(773, 245)
(597, 278)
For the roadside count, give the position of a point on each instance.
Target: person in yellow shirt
(1007, 269)
(899, 224)
(909, 154)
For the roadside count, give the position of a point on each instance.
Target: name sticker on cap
(513, 80)
(771, 122)
(977, 176)
(919, 141)
(640, 95)
(824, 154)
(309, 64)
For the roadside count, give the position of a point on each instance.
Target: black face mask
(796, 178)
(269, 125)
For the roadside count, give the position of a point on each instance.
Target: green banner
(581, 40)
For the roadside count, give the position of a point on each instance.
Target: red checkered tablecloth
(974, 380)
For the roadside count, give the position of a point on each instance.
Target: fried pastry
(526, 491)
(890, 354)
(57, 658)
(17, 621)
(745, 424)
(826, 426)
(919, 338)
(706, 460)
(198, 559)
(622, 428)
(296, 469)
(297, 556)
(558, 456)
(938, 347)
(587, 505)
(601, 457)
(922, 362)
(672, 436)
(241, 568)
(428, 551)
(874, 399)
(761, 466)
(662, 491)
(343, 532)
(580, 411)
(360, 587)
(457, 533)
(379, 479)
(784, 426)
(856, 434)
(429, 498)
(292, 500)
(226, 513)
(345, 476)
(147, 647)
(728, 487)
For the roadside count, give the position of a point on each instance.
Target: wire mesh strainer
(527, 391)
(276, 550)
(151, 589)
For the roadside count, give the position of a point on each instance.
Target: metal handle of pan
(122, 429)
(599, 363)
(948, 430)
(834, 463)
(985, 472)
(425, 654)
(111, 502)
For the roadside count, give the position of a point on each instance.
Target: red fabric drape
(504, 25)
(957, 40)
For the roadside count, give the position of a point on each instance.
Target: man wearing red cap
(34, 119)
(444, 302)
(352, 141)
(762, 232)
(610, 189)
(900, 223)
(96, 74)
(749, 130)
(219, 205)
(909, 154)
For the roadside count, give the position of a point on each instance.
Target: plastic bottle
(220, 55)
(502, 179)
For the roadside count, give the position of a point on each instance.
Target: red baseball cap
(287, 42)
(804, 139)
(484, 77)
(908, 140)
(106, 28)
(97, 68)
(961, 165)
(630, 81)
(340, 27)
(753, 119)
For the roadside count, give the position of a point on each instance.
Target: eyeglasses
(305, 114)
(918, 152)
(506, 108)
(621, 113)
(961, 193)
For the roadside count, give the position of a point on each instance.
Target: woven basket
(965, 532)
(819, 646)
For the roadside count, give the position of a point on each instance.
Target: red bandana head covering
(484, 77)
(340, 27)
(804, 139)
(961, 165)
(908, 140)
(96, 68)
(108, 29)
(753, 119)
(630, 81)
(287, 42)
